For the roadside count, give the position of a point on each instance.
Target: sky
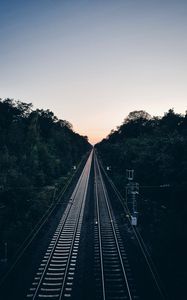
(93, 61)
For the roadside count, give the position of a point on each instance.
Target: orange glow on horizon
(94, 140)
(94, 135)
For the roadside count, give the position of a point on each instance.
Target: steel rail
(99, 233)
(113, 228)
(139, 239)
(63, 220)
(59, 231)
(79, 219)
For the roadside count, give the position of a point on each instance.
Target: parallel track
(112, 271)
(153, 271)
(55, 276)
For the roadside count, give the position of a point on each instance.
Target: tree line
(156, 148)
(37, 152)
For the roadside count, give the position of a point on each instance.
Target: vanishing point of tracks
(105, 274)
(54, 278)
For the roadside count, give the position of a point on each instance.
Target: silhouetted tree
(36, 151)
(156, 148)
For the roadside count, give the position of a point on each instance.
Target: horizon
(96, 140)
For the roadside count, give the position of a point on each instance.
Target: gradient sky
(93, 61)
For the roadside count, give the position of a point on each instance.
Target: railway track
(62, 273)
(112, 271)
(55, 276)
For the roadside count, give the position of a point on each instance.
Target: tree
(137, 115)
(36, 151)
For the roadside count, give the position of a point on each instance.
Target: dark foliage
(156, 148)
(37, 152)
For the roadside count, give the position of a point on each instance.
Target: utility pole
(6, 252)
(5, 259)
(54, 193)
(132, 192)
